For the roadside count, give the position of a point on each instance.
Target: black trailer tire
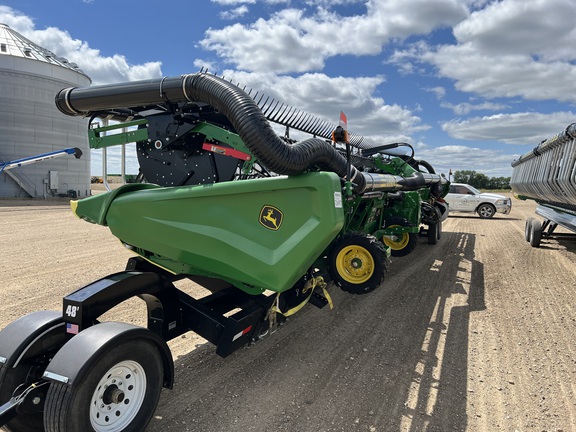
(535, 233)
(486, 211)
(119, 393)
(358, 263)
(527, 228)
(434, 233)
(402, 245)
(10, 379)
(438, 231)
(37, 336)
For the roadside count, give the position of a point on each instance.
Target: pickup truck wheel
(486, 211)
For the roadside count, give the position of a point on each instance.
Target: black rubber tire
(527, 228)
(358, 263)
(486, 211)
(434, 233)
(535, 233)
(45, 339)
(406, 244)
(10, 379)
(68, 408)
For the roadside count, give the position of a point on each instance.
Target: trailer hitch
(30, 401)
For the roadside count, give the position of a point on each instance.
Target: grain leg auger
(263, 222)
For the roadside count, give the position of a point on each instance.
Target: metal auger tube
(388, 182)
(76, 101)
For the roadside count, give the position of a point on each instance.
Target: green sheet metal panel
(257, 234)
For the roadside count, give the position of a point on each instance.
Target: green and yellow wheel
(400, 244)
(358, 263)
(355, 264)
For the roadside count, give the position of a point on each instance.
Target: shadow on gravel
(472, 216)
(440, 375)
(395, 359)
(33, 202)
(559, 240)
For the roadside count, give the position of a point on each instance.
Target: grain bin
(30, 124)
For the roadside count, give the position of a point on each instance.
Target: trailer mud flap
(71, 364)
(29, 336)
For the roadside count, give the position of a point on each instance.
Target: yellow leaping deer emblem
(271, 217)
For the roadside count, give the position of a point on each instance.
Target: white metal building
(30, 123)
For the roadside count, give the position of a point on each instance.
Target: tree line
(481, 181)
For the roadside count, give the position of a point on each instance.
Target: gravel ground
(476, 333)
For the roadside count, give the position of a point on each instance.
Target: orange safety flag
(343, 121)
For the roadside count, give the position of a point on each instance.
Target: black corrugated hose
(256, 132)
(240, 109)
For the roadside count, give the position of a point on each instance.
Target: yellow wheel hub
(396, 242)
(355, 264)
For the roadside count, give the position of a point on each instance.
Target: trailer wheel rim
(118, 397)
(396, 242)
(355, 264)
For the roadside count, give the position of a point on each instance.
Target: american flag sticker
(71, 328)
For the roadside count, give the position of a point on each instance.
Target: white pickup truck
(465, 198)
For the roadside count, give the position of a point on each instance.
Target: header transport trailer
(547, 175)
(263, 222)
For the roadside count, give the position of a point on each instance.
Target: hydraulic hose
(426, 165)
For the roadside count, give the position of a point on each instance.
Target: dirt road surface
(476, 333)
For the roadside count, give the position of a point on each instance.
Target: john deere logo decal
(271, 217)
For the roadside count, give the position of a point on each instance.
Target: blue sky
(471, 84)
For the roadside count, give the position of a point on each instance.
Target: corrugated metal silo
(30, 123)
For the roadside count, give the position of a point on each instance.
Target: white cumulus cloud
(517, 128)
(511, 48)
(293, 40)
(102, 69)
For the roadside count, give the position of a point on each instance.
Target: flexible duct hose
(244, 114)
(255, 130)
(248, 121)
